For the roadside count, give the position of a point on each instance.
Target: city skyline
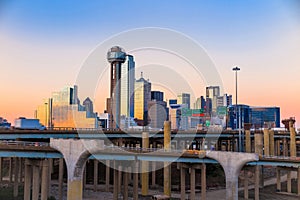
(43, 52)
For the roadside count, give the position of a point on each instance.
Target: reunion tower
(116, 56)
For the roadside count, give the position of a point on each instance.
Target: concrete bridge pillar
(76, 153)
(298, 181)
(272, 143)
(145, 166)
(182, 182)
(248, 141)
(232, 163)
(60, 178)
(293, 150)
(153, 173)
(95, 174)
(1, 169)
(135, 171)
(107, 175)
(27, 180)
(16, 179)
(258, 140)
(167, 165)
(266, 142)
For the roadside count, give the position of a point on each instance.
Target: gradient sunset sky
(44, 43)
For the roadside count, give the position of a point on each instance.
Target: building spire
(141, 74)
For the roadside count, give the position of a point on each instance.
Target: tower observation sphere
(116, 54)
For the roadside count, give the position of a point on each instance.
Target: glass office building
(142, 95)
(261, 116)
(127, 87)
(234, 114)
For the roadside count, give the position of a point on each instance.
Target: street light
(238, 125)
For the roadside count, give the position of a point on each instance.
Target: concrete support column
(203, 181)
(266, 142)
(278, 153)
(27, 180)
(246, 190)
(36, 182)
(256, 182)
(45, 180)
(145, 165)
(119, 179)
(285, 147)
(182, 182)
(261, 175)
(289, 182)
(50, 171)
(232, 163)
(60, 178)
(16, 179)
(21, 170)
(116, 188)
(153, 173)
(125, 179)
(167, 165)
(10, 170)
(135, 180)
(272, 142)
(258, 140)
(192, 184)
(293, 150)
(1, 169)
(95, 174)
(248, 141)
(107, 175)
(278, 177)
(298, 181)
(84, 179)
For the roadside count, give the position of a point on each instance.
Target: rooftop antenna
(141, 74)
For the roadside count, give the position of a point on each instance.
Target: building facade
(127, 87)
(213, 92)
(265, 116)
(238, 113)
(142, 95)
(184, 98)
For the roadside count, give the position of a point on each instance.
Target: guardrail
(24, 143)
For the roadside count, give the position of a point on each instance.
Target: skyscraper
(157, 110)
(213, 92)
(88, 107)
(184, 98)
(200, 103)
(142, 95)
(157, 95)
(127, 87)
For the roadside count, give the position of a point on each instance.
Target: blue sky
(52, 38)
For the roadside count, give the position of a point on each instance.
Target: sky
(43, 45)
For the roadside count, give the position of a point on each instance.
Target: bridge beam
(76, 153)
(232, 163)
